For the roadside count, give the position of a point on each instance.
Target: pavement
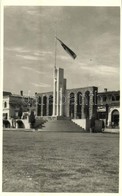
(108, 130)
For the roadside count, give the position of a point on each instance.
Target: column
(47, 109)
(57, 89)
(109, 118)
(75, 105)
(91, 102)
(83, 105)
(37, 105)
(54, 99)
(67, 104)
(54, 91)
(42, 106)
(61, 106)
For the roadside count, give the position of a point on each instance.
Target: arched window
(50, 105)
(71, 105)
(115, 118)
(44, 106)
(79, 105)
(86, 107)
(39, 107)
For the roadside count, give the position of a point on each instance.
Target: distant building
(79, 103)
(72, 103)
(108, 107)
(15, 105)
(5, 93)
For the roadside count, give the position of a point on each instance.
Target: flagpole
(54, 76)
(55, 45)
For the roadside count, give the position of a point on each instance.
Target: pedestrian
(103, 125)
(92, 124)
(32, 120)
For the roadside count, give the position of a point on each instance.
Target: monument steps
(62, 126)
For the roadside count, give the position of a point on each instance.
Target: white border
(49, 3)
(64, 2)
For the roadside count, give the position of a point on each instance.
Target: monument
(59, 88)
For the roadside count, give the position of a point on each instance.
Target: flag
(68, 50)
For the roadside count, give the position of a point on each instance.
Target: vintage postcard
(60, 100)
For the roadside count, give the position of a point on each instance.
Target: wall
(92, 99)
(85, 124)
(80, 122)
(6, 109)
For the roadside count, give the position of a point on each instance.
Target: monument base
(55, 118)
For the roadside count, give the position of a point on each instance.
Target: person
(103, 125)
(20, 113)
(32, 119)
(92, 124)
(13, 121)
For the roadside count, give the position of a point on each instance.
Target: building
(108, 107)
(78, 103)
(15, 105)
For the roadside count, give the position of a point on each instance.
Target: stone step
(62, 125)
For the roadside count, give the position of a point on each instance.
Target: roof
(109, 92)
(6, 93)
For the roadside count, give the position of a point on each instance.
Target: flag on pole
(68, 50)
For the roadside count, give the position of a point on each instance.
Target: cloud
(46, 13)
(36, 12)
(28, 57)
(32, 55)
(63, 57)
(32, 12)
(33, 70)
(106, 70)
(43, 85)
(99, 69)
(29, 40)
(26, 50)
(42, 53)
(17, 49)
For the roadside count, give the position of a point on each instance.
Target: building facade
(108, 107)
(15, 105)
(71, 103)
(77, 103)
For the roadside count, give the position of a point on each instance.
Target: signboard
(101, 109)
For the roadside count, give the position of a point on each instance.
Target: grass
(60, 162)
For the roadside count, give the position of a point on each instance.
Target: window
(117, 97)
(113, 98)
(5, 116)
(5, 104)
(104, 98)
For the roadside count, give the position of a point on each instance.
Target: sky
(93, 33)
